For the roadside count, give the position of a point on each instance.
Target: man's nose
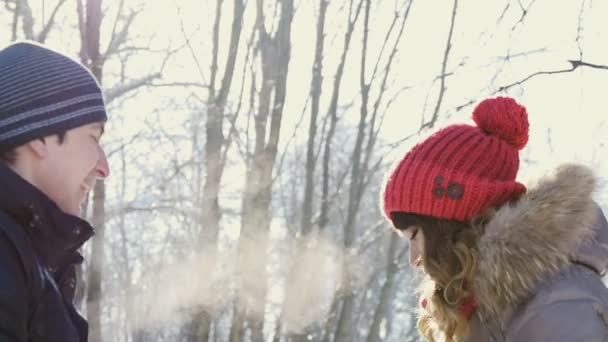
(102, 168)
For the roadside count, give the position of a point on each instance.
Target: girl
(501, 262)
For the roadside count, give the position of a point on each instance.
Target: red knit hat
(461, 170)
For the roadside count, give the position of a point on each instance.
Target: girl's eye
(414, 234)
(95, 138)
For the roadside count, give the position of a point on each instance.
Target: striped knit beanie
(462, 170)
(42, 93)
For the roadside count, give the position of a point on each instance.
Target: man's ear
(38, 147)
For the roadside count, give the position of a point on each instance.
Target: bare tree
(255, 220)
(307, 224)
(382, 312)
(443, 75)
(28, 19)
(90, 23)
(216, 145)
(188, 191)
(315, 93)
(362, 168)
(21, 10)
(574, 64)
(332, 112)
(16, 9)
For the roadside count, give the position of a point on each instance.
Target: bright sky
(567, 115)
(567, 111)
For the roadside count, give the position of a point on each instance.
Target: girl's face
(415, 237)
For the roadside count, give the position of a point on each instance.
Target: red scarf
(466, 308)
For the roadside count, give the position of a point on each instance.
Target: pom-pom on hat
(462, 170)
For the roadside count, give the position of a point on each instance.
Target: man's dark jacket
(38, 256)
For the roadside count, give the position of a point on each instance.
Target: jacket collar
(533, 239)
(56, 235)
(593, 252)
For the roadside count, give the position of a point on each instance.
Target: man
(52, 116)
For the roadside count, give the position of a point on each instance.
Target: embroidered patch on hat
(454, 191)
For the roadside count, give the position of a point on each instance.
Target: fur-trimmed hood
(533, 239)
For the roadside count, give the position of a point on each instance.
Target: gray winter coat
(540, 266)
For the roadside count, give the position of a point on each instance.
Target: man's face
(68, 170)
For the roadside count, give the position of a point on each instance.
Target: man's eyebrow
(99, 126)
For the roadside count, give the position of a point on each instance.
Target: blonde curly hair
(450, 261)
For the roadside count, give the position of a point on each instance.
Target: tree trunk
(15, 23)
(90, 44)
(315, 93)
(382, 313)
(306, 226)
(214, 150)
(255, 219)
(332, 112)
(27, 19)
(345, 326)
(95, 269)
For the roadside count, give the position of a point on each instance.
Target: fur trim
(532, 239)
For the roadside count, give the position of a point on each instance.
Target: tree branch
(82, 29)
(524, 13)
(122, 89)
(215, 46)
(372, 132)
(503, 13)
(443, 75)
(187, 39)
(113, 44)
(47, 27)
(15, 19)
(232, 133)
(579, 31)
(386, 39)
(28, 20)
(177, 84)
(574, 64)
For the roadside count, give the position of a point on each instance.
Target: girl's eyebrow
(404, 231)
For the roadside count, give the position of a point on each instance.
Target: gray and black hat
(42, 93)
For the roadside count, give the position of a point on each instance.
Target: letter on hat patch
(454, 191)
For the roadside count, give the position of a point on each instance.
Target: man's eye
(414, 234)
